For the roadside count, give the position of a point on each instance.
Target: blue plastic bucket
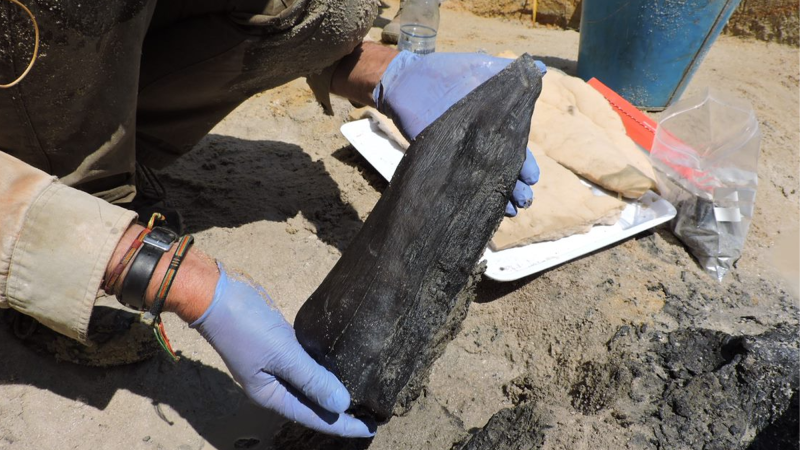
(648, 50)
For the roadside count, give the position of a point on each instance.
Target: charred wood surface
(385, 312)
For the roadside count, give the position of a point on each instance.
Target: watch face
(161, 238)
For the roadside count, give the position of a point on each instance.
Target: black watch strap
(155, 244)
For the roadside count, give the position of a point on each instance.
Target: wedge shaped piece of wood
(375, 318)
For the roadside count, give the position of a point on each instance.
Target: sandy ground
(276, 191)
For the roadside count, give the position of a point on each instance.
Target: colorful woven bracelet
(153, 316)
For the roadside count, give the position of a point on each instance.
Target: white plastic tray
(515, 263)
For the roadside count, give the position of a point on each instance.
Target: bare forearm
(193, 288)
(360, 71)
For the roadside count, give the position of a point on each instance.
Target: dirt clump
(520, 428)
(692, 388)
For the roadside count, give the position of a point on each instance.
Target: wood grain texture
(380, 318)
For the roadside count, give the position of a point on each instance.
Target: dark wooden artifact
(519, 428)
(385, 312)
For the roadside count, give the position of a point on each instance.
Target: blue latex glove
(415, 90)
(263, 355)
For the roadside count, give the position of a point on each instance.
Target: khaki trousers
(125, 80)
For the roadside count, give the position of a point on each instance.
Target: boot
(391, 32)
(151, 197)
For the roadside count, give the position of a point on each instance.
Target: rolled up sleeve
(55, 243)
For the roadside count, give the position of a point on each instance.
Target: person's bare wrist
(194, 285)
(359, 72)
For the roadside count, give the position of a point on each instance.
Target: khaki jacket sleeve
(55, 243)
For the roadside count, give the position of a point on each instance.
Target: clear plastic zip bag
(705, 155)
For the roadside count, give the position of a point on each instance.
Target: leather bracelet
(109, 284)
(153, 317)
(184, 244)
(154, 245)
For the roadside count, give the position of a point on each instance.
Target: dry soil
(275, 190)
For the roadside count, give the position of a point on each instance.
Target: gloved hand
(415, 90)
(261, 351)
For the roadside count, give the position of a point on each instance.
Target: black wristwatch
(154, 245)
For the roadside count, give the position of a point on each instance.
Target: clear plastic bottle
(419, 24)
